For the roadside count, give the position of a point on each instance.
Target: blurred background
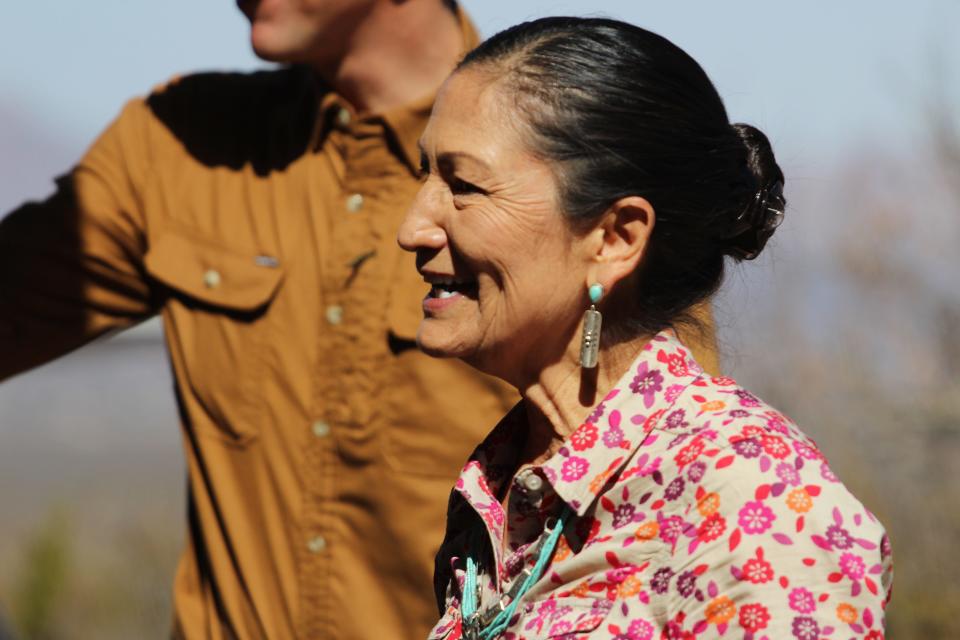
(849, 322)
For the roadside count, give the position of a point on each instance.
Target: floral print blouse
(698, 511)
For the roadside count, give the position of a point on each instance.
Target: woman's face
(508, 276)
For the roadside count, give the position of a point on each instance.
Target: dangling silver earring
(590, 340)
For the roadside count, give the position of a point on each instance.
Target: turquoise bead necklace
(491, 622)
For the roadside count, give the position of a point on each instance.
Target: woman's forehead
(471, 117)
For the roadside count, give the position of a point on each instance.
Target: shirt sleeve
(71, 266)
(776, 547)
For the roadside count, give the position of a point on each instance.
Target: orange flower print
(647, 531)
(799, 500)
(629, 587)
(563, 550)
(713, 405)
(720, 610)
(847, 613)
(708, 504)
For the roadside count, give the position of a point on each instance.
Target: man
(257, 215)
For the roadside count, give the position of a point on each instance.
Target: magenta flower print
(788, 474)
(755, 517)
(801, 600)
(574, 468)
(716, 516)
(647, 383)
(640, 630)
(852, 566)
(838, 537)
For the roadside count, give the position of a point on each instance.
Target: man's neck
(402, 52)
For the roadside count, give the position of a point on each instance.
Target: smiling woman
(574, 164)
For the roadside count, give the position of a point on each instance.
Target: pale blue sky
(821, 78)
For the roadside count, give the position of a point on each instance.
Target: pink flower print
(788, 474)
(805, 628)
(801, 600)
(755, 517)
(647, 383)
(754, 617)
(559, 628)
(574, 468)
(584, 437)
(827, 473)
(676, 362)
(852, 566)
(640, 630)
(806, 451)
(671, 528)
(673, 392)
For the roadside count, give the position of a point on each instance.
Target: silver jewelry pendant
(590, 342)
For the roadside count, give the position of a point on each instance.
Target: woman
(576, 167)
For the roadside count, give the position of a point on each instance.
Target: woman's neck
(560, 398)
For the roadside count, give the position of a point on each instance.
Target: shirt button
(211, 278)
(321, 429)
(317, 544)
(532, 482)
(343, 117)
(334, 314)
(354, 203)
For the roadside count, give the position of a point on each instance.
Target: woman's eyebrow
(451, 158)
(448, 158)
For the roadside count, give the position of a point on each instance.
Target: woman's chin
(438, 342)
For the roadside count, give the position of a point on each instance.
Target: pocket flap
(213, 274)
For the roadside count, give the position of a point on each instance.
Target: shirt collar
(643, 398)
(405, 123)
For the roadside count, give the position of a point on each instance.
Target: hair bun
(763, 212)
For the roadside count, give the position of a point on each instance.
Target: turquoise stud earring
(590, 340)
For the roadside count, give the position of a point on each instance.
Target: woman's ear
(624, 232)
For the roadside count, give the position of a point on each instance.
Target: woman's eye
(461, 187)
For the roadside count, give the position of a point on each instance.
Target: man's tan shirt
(258, 216)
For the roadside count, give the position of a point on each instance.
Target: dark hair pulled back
(620, 111)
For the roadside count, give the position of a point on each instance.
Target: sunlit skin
(488, 217)
(378, 54)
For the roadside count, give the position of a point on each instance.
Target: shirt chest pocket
(215, 302)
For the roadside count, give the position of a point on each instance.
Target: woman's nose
(419, 229)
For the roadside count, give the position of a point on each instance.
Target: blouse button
(532, 482)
